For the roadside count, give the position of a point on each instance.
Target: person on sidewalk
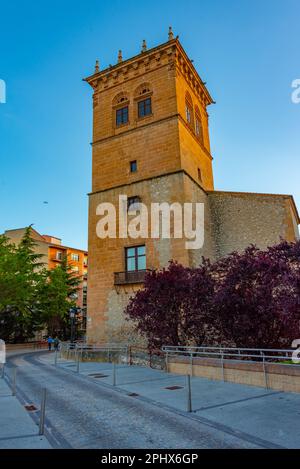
(50, 342)
(56, 343)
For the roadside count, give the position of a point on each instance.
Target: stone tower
(151, 143)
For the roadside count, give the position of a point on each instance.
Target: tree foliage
(248, 299)
(32, 298)
(174, 307)
(56, 296)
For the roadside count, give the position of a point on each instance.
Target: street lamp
(72, 313)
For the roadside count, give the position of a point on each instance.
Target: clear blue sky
(246, 50)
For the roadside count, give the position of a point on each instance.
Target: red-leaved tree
(175, 306)
(248, 299)
(251, 299)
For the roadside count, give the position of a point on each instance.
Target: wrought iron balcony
(134, 276)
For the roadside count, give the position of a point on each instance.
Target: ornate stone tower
(151, 143)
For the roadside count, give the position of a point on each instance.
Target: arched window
(198, 124)
(143, 96)
(189, 109)
(120, 99)
(142, 90)
(121, 109)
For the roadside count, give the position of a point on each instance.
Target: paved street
(17, 429)
(85, 411)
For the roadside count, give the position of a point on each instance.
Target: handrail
(230, 352)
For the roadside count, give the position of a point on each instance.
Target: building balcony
(134, 276)
(56, 259)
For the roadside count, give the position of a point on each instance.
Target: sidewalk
(17, 429)
(266, 415)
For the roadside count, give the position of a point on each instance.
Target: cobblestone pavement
(85, 413)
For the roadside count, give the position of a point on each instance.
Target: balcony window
(75, 257)
(135, 258)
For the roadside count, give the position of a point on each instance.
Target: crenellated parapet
(170, 54)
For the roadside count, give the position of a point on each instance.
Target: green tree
(20, 277)
(56, 297)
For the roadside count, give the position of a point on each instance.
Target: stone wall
(241, 219)
(277, 376)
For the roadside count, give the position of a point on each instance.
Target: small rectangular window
(135, 258)
(133, 203)
(133, 166)
(122, 116)
(145, 108)
(199, 175)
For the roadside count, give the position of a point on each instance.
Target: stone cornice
(139, 181)
(169, 54)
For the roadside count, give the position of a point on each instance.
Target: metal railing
(263, 357)
(233, 353)
(81, 351)
(135, 276)
(129, 354)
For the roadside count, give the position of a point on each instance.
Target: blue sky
(246, 50)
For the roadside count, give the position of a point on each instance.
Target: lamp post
(72, 313)
(72, 320)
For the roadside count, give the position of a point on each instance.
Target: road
(85, 414)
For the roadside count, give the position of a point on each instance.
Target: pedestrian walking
(56, 343)
(50, 342)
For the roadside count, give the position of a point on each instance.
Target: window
(199, 175)
(75, 268)
(59, 255)
(198, 127)
(135, 258)
(188, 112)
(144, 108)
(75, 257)
(133, 166)
(133, 203)
(122, 116)
(189, 109)
(198, 124)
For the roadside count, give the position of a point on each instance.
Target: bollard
(77, 363)
(114, 374)
(222, 362)
(14, 386)
(189, 393)
(191, 363)
(167, 363)
(265, 373)
(42, 412)
(3, 370)
(55, 357)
